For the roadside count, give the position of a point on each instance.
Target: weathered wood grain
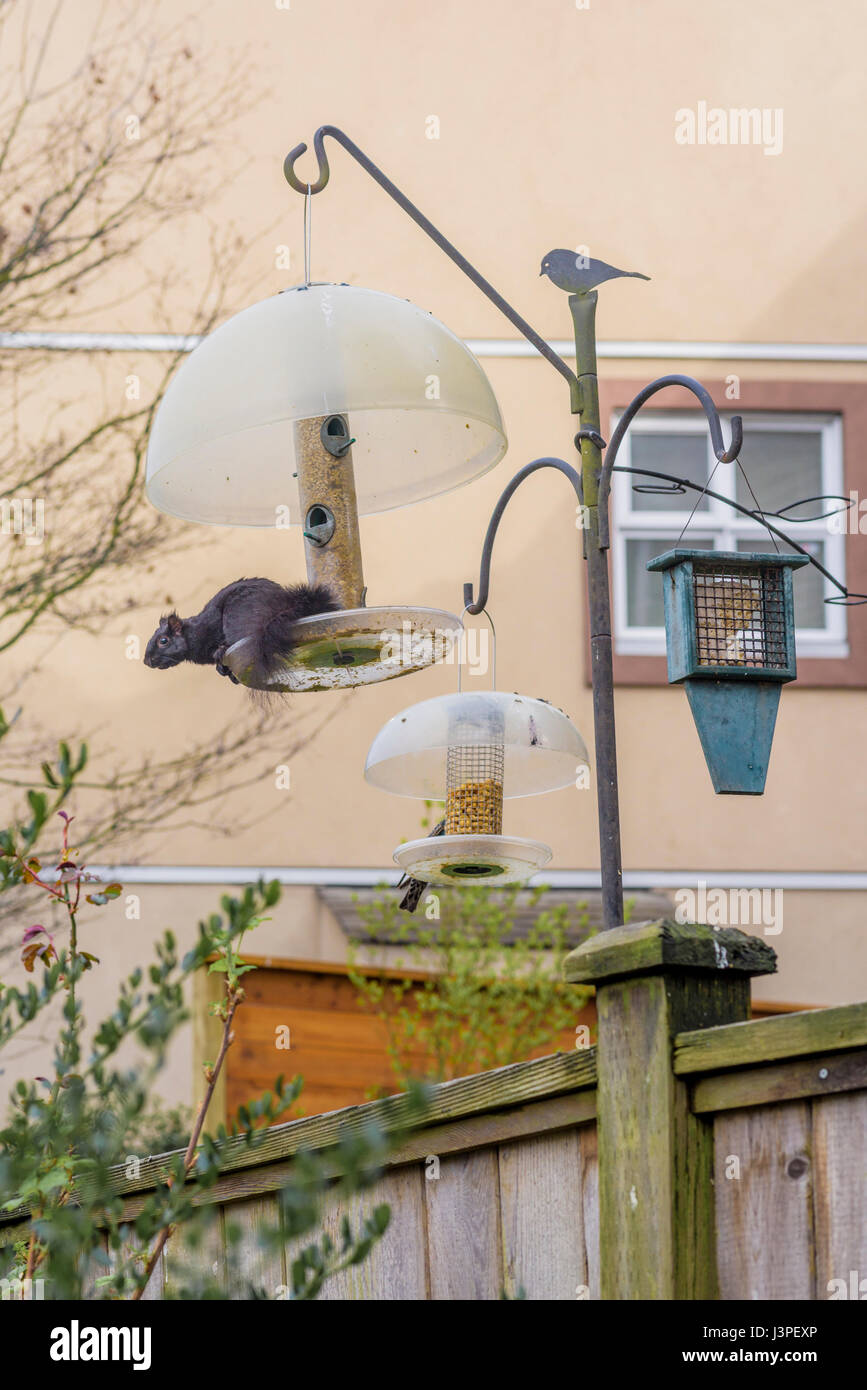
(396, 1269)
(763, 1184)
(456, 1136)
(463, 1222)
(769, 1039)
(590, 1206)
(544, 1250)
(254, 1262)
(764, 1085)
(655, 1156)
(195, 1254)
(840, 1195)
(558, 1074)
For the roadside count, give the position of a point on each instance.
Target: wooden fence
(724, 1161)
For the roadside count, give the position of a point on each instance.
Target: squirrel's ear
(174, 622)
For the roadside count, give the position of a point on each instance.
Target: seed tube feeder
(730, 637)
(475, 750)
(311, 408)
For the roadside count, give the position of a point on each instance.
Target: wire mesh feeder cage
(477, 750)
(730, 638)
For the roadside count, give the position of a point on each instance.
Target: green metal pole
(583, 308)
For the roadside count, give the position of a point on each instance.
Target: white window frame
(722, 523)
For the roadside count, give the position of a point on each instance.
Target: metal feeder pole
(590, 444)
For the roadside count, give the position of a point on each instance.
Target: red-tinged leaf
(69, 875)
(34, 931)
(65, 816)
(67, 864)
(34, 952)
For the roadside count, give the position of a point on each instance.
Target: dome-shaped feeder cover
(543, 749)
(420, 409)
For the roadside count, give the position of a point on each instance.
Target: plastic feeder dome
(730, 638)
(313, 407)
(477, 750)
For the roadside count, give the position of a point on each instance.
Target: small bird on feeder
(578, 274)
(415, 887)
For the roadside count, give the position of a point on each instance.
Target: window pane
(807, 583)
(644, 606)
(683, 455)
(782, 466)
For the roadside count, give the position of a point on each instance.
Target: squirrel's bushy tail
(276, 637)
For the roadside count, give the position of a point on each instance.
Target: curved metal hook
(723, 454)
(496, 517)
(322, 158)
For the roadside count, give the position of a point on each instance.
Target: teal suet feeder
(730, 637)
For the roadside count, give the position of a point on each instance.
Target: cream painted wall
(556, 127)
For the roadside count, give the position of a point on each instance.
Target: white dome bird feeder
(478, 750)
(308, 409)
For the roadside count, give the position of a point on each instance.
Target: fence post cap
(647, 947)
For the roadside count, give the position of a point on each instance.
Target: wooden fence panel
(544, 1240)
(590, 1204)
(840, 1194)
(195, 1255)
(464, 1234)
(763, 1190)
(254, 1264)
(397, 1267)
(499, 1189)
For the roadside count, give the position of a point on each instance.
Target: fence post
(656, 1197)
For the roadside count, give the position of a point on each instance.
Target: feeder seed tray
(461, 859)
(356, 646)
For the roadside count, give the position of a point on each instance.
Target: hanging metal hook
(295, 154)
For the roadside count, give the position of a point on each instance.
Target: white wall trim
(482, 347)
(816, 882)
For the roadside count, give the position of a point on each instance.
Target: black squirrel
(258, 609)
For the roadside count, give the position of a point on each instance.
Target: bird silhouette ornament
(577, 274)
